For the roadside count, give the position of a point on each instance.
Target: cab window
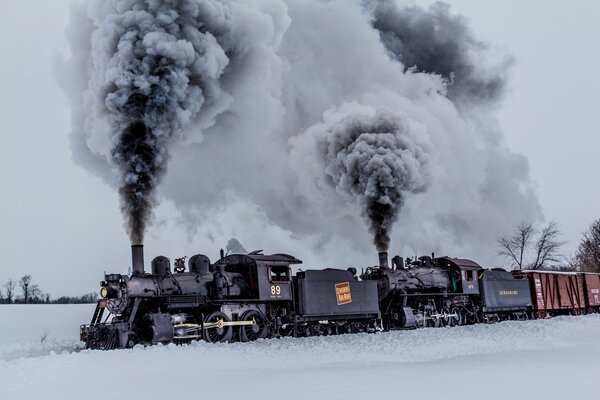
(279, 273)
(468, 275)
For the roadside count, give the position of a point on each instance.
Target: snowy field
(511, 360)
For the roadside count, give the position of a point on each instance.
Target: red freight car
(555, 293)
(591, 282)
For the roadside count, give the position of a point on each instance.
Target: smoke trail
(369, 157)
(163, 66)
(375, 161)
(334, 58)
(155, 70)
(435, 41)
(280, 84)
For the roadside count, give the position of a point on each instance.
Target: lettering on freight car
(342, 293)
(595, 291)
(539, 295)
(509, 292)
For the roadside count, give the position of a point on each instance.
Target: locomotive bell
(137, 259)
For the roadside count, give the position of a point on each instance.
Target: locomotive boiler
(433, 292)
(249, 292)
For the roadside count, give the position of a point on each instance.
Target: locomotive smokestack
(137, 259)
(383, 259)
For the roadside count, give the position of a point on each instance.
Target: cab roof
(462, 263)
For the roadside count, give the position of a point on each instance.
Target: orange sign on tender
(342, 293)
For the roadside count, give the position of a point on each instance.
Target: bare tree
(24, 283)
(10, 290)
(545, 246)
(588, 253)
(514, 247)
(35, 294)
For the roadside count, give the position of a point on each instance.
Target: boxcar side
(591, 282)
(555, 293)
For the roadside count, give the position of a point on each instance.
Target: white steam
(283, 86)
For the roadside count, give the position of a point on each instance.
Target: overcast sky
(62, 225)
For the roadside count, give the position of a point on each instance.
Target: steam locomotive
(245, 297)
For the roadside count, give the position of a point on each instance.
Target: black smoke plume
(435, 41)
(137, 155)
(156, 69)
(375, 161)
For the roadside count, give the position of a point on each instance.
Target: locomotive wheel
(355, 327)
(430, 321)
(217, 334)
(456, 320)
(258, 330)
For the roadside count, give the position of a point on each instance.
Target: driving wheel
(258, 330)
(220, 332)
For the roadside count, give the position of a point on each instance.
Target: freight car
(244, 297)
(562, 293)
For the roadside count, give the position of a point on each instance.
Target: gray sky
(62, 225)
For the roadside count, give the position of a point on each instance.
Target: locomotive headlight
(104, 292)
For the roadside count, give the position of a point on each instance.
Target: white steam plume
(296, 74)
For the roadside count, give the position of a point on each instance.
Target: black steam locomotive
(244, 297)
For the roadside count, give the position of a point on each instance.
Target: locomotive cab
(265, 277)
(463, 274)
(274, 276)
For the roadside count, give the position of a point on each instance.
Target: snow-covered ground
(551, 359)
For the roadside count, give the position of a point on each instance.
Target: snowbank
(507, 360)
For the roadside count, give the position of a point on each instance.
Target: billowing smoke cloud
(372, 159)
(155, 73)
(290, 123)
(435, 41)
(158, 65)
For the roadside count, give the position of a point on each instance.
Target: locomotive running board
(218, 324)
(209, 325)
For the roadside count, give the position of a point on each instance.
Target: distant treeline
(26, 292)
(83, 299)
